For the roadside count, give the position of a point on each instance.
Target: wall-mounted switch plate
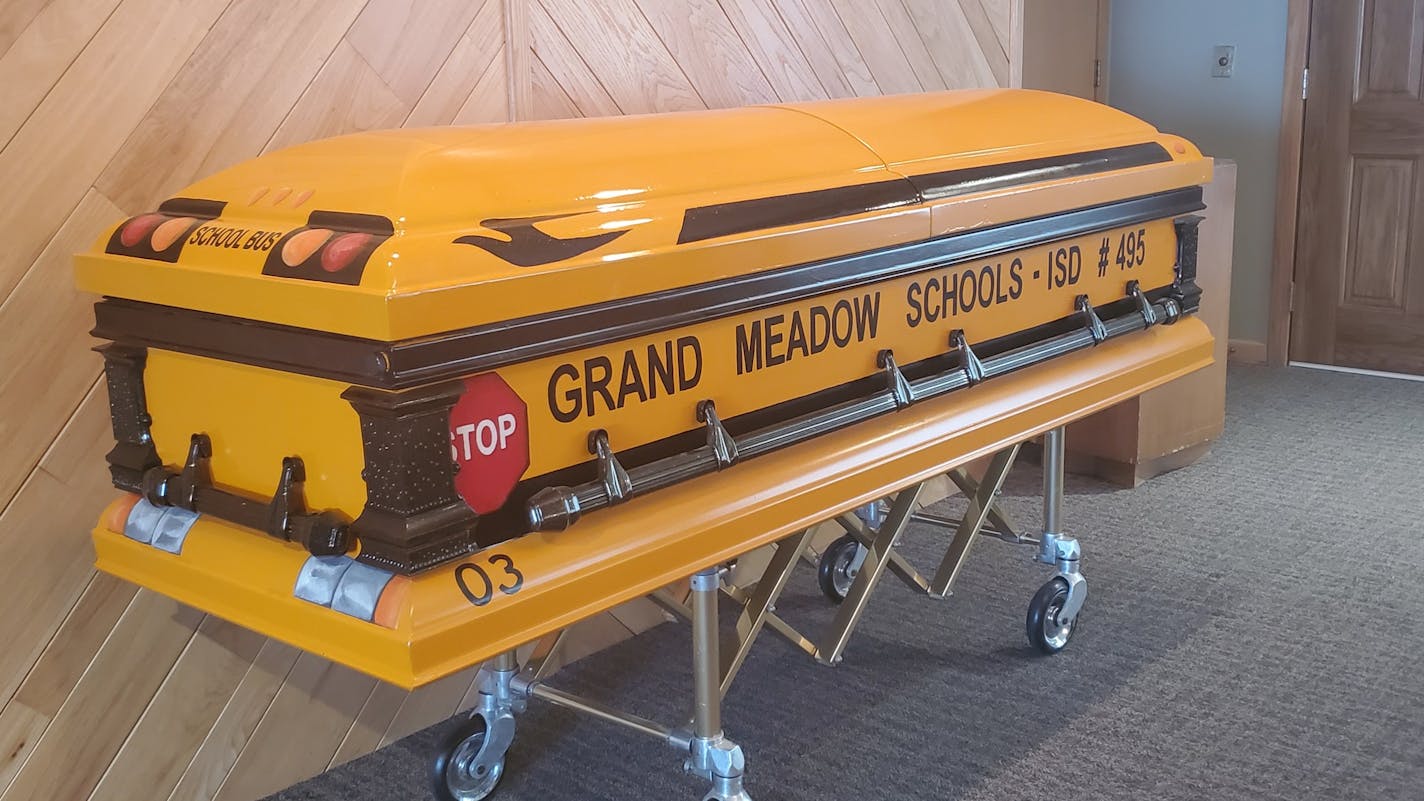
(1223, 59)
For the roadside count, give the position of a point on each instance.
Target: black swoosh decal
(527, 246)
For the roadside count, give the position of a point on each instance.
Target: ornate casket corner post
(414, 518)
(133, 453)
(1185, 290)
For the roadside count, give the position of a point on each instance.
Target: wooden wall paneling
(996, 14)
(476, 61)
(371, 723)
(548, 99)
(48, 368)
(592, 635)
(58, 670)
(301, 731)
(989, 31)
(406, 42)
(41, 51)
(222, 745)
(828, 48)
(945, 30)
(489, 100)
(51, 162)
(519, 58)
(772, 45)
(46, 534)
(391, 713)
(113, 693)
(639, 615)
(15, 17)
(908, 36)
(345, 97)
(555, 55)
(1014, 42)
(183, 710)
(428, 705)
(878, 46)
(228, 99)
(703, 43)
(617, 43)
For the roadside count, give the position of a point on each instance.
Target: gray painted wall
(1159, 69)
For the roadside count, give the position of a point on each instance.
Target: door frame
(1278, 319)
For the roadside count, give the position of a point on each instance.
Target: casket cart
(414, 399)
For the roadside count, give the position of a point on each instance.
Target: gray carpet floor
(1255, 630)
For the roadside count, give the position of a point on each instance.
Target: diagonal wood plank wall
(111, 105)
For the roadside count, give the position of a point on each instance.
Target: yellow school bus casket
(392, 350)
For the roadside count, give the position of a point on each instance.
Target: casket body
(388, 345)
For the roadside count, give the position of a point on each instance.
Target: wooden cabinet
(1173, 425)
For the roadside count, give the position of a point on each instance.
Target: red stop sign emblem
(489, 440)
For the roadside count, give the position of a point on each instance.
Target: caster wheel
(1044, 631)
(457, 774)
(836, 571)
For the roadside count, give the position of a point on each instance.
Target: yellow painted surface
(621, 553)
(635, 174)
(255, 417)
(736, 364)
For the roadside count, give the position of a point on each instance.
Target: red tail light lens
(139, 227)
(340, 251)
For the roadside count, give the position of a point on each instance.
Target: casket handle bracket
(969, 362)
(1091, 320)
(615, 479)
(321, 533)
(723, 447)
(286, 517)
(1144, 306)
(900, 388)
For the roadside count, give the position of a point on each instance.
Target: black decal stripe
(193, 207)
(759, 214)
(939, 185)
(745, 216)
(373, 224)
(421, 360)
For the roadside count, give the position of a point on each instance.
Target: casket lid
(465, 226)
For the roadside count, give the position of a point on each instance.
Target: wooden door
(1359, 275)
(1063, 44)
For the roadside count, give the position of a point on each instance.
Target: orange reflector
(118, 512)
(391, 601)
(169, 232)
(300, 247)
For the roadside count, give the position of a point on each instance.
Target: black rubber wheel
(1041, 625)
(451, 778)
(835, 573)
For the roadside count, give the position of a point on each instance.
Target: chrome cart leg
(758, 605)
(981, 507)
(470, 761)
(1053, 613)
(710, 754)
(877, 557)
